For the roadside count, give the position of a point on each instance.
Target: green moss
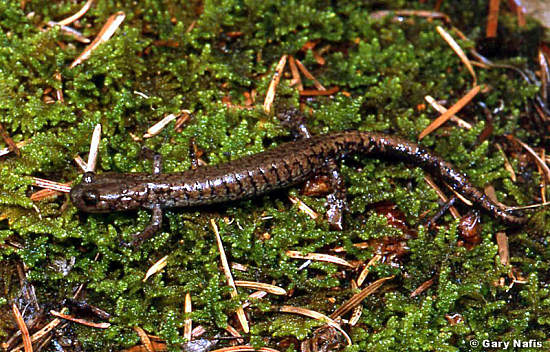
(133, 80)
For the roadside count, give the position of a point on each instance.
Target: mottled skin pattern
(283, 166)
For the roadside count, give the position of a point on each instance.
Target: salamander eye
(90, 198)
(88, 177)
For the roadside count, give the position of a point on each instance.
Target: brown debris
(70, 32)
(44, 194)
(80, 162)
(469, 230)
(233, 332)
(12, 146)
(59, 92)
(359, 297)
(503, 250)
(425, 285)
(94, 148)
(184, 116)
(324, 339)
(491, 194)
(41, 333)
(5, 151)
(357, 311)
(454, 319)
(542, 178)
(157, 347)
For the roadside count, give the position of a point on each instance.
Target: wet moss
(384, 68)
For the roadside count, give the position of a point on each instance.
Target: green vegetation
(192, 54)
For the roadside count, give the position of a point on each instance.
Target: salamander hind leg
(331, 183)
(336, 200)
(153, 227)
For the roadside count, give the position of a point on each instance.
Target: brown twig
(363, 275)
(492, 19)
(441, 109)
(56, 186)
(159, 126)
(80, 321)
(359, 297)
(227, 271)
(296, 78)
(27, 344)
(77, 15)
(453, 110)
(319, 257)
(104, 35)
(270, 95)
(155, 268)
(312, 92)
(188, 325)
(261, 286)
(308, 75)
(303, 207)
(458, 50)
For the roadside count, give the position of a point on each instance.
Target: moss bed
(205, 56)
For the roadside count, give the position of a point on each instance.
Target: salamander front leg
(156, 216)
(294, 120)
(151, 229)
(336, 200)
(155, 157)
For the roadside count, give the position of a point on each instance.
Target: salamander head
(101, 194)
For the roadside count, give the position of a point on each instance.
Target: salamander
(286, 165)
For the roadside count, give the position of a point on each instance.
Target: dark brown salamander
(283, 166)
